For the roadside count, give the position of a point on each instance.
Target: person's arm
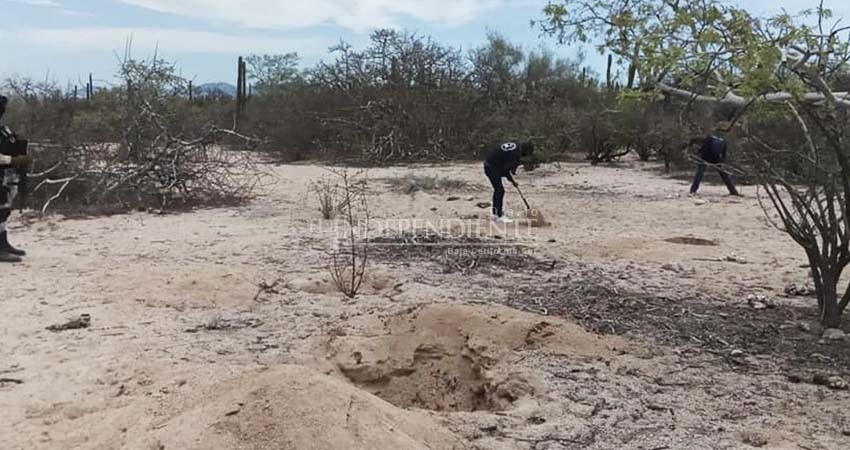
(514, 165)
(705, 152)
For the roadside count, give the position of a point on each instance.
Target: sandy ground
(185, 351)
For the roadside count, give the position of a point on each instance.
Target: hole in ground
(454, 358)
(440, 374)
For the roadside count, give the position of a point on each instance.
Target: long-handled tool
(527, 206)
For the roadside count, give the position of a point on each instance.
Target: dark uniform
(712, 151)
(10, 178)
(502, 162)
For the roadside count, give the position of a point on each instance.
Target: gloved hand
(21, 162)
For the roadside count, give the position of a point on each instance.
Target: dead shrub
(327, 192)
(348, 262)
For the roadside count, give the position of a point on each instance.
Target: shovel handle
(527, 206)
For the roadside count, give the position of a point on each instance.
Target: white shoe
(505, 220)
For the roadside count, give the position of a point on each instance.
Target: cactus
(633, 67)
(239, 85)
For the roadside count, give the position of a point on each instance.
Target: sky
(64, 40)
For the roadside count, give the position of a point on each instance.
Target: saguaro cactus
(239, 82)
(241, 85)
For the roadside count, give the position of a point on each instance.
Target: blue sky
(67, 39)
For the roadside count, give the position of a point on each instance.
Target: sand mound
(295, 408)
(453, 358)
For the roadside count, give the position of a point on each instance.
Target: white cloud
(356, 15)
(168, 40)
(49, 3)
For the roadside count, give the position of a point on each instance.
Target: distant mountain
(219, 88)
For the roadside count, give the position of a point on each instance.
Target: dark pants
(8, 189)
(4, 216)
(498, 190)
(727, 179)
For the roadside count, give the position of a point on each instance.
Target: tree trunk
(830, 314)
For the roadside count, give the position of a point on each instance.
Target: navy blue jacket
(713, 150)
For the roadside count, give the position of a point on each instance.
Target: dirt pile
(456, 358)
(295, 408)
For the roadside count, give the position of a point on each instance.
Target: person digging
(502, 162)
(713, 152)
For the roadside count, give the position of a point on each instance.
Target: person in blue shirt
(713, 150)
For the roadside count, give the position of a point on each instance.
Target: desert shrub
(349, 260)
(328, 194)
(142, 145)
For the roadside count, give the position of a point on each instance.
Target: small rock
(434, 209)
(673, 267)
(803, 326)
(658, 407)
(469, 199)
(234, 411)
(837, 383)
(534, 420)
(452, 199)
(794, 290)
(700, 202)
(846, 432)
(735, 259)
(760, 302)
(796, 379)
(84, 321)
(834, 334)
(552, 241)
(833, 382)
(736, 353)
(754, 439)
(483, 205)
(582, 411)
